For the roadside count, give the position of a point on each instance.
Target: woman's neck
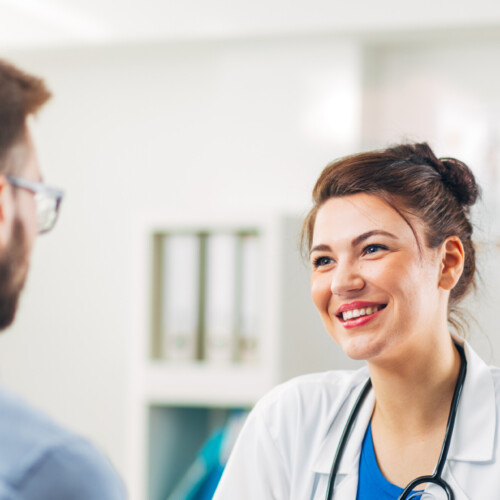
(412, 405)
(418, 391)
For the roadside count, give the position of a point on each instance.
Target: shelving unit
(177, 404)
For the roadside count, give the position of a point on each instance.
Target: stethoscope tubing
(345, 437)
(435, 478)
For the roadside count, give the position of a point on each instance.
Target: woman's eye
(371, 249)
(322, 261)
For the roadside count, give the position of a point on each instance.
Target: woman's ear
(452, 262)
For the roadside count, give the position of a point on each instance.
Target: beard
(13, 272)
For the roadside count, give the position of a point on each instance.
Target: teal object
(203, 475)
(209, 486)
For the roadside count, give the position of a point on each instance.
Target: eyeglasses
(47, 199)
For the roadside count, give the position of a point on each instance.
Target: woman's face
(377, 291)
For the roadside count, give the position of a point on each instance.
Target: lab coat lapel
(473, 438)
(346, 483)
(437, 493)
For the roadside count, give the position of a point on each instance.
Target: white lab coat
(286, 448)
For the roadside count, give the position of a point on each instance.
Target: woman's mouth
(352, 315)
(357, 313)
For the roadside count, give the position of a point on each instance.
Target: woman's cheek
(320, 292)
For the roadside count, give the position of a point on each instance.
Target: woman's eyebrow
(320, 248)
(356, 241)
(377, 232)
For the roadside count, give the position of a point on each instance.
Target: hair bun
(455, 174)
(459, 179)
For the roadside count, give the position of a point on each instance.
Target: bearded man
(39, 460)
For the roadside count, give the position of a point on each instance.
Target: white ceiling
(37, 23)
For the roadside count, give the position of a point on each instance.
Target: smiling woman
(357, 265)
(418, 186)
(390, 244)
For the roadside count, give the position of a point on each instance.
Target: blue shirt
(372, 483)
(40, 460)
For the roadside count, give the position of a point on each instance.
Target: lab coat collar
(473, 436)
(347, 475)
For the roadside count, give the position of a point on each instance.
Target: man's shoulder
(38, 454)
(25, 429)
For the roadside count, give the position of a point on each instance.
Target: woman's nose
(346, 279)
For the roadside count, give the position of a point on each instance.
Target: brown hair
(21, 95)
(409, 177)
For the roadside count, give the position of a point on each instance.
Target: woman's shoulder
(297, 414)
(310, 395)
(330, 382)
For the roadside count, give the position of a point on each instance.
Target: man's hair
(21, 95)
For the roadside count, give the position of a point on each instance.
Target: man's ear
(6, 211)
(452, 262)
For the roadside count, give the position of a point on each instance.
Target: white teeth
(356, 313)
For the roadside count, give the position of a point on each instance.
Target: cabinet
(177, 403)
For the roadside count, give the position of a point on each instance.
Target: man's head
(21, 95)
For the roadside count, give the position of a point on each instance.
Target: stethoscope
(435, 478)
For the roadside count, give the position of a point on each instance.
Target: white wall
(62, 23)
(194, 128)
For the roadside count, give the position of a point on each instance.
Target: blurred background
(172, 113)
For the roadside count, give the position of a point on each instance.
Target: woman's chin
(361, 348)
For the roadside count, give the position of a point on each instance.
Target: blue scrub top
(372, 483)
